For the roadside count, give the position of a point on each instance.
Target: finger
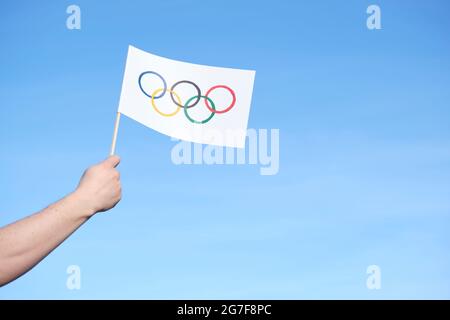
(112, 161)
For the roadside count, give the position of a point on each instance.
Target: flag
(191, 102)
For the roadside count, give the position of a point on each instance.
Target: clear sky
(364, 150)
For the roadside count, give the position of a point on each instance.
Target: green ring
(193, 120)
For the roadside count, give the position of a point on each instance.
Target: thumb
(112, 161)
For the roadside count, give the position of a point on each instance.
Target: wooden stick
(116, 130)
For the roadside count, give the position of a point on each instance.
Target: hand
(99, 187)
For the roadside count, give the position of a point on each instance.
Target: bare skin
(24, 243)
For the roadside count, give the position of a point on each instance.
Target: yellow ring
(162, 113)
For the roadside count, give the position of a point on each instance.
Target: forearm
(26, 242)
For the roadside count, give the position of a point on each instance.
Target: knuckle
(94, 169)
(89, 169)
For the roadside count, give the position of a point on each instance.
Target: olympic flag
(187, 101)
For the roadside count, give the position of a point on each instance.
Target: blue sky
(364, 150)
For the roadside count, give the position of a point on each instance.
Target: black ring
(196, 88)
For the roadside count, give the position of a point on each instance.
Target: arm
(26, 242)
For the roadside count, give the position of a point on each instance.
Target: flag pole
(114, 139)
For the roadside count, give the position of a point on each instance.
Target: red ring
(228, 108)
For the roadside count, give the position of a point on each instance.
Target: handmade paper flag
(187, 101)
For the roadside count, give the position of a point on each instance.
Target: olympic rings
(190, 103)
(203, 121)
(227, 108)
(199, 94)
(157, 110)
(159, 76)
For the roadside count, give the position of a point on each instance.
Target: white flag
(187, 101)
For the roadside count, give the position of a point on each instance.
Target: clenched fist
(99, 187)
(26, 242)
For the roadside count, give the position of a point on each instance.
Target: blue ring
(156, 74)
